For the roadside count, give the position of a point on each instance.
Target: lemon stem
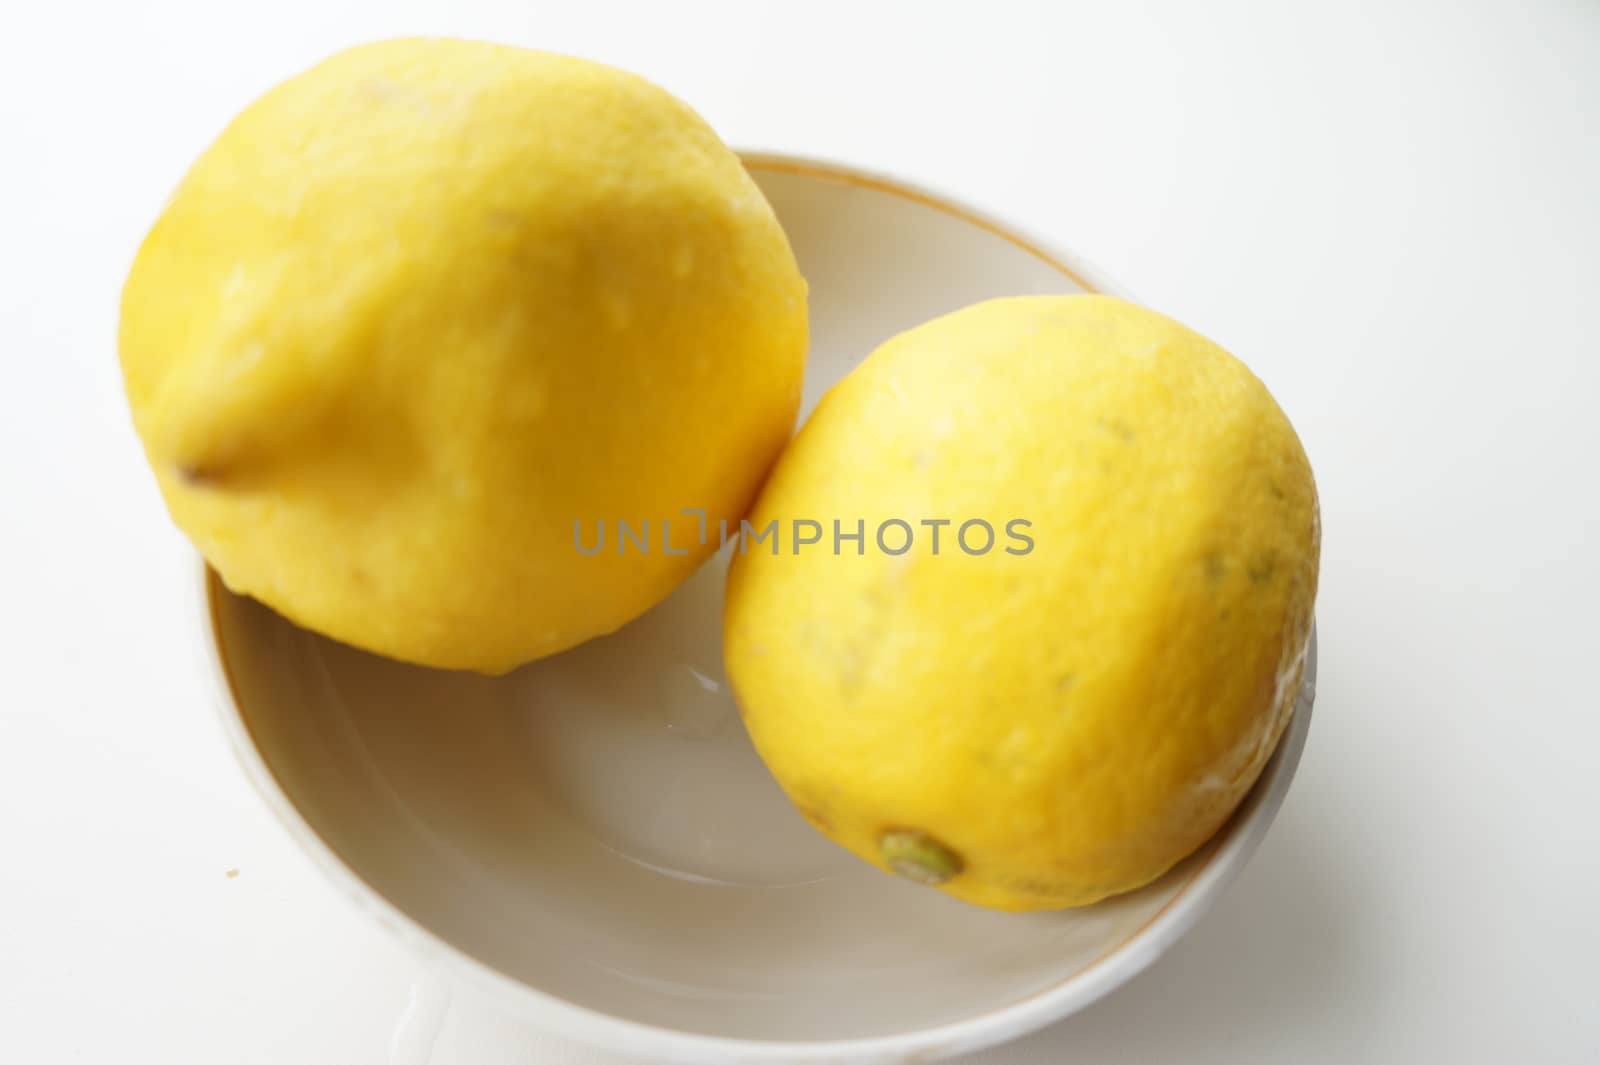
(917, 856)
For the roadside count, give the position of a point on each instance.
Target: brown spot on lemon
(1262, 569)
(196, 475)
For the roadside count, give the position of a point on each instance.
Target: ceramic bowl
(592, 838)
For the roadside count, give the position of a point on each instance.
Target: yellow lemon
(1070, 632)
(422, 311)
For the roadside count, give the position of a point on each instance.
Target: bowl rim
(1216, 863)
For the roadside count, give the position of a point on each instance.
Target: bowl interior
(597, 825)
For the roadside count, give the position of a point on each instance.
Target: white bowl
(592, 838)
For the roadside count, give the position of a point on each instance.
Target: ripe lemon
(424, 307)
(1064, 707)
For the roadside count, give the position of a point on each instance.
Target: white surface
(1389, 210)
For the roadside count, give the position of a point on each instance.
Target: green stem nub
(918, 856)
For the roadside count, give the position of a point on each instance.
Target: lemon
(422, 311)
(1063, 706)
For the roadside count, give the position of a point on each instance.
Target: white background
(1388, 209)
